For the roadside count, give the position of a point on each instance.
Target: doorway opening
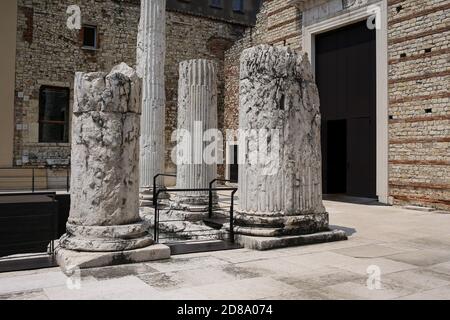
(346, 77)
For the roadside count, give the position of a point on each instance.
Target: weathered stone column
(151, 51)
(104, 215)
(197, 113)
(281, 195)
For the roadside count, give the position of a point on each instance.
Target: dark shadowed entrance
(346, 77)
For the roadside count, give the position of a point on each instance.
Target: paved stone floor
(410, 248)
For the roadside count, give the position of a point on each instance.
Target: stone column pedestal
(104, 217)
(197, 114)
(280, 183)
(151, 53)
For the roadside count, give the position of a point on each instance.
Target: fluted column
(151, 51)
(197, 113)
(280, 189)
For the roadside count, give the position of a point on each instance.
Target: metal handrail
(155, 187)
(210, 208)
(158, 192)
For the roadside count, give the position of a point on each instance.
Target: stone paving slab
(423, 258)
(248, 289)
(127, 288)
(442, 293)
(369, 251)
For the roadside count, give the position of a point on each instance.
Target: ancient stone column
(151, 51)
(197, 113)
(280, 189)
(104, 215)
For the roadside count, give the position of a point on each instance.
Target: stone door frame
(349, 17)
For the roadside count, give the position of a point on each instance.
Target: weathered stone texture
(104, 213)
(283, 194)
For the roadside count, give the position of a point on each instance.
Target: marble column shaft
(283, 195)
(151, 51)
(104, 213)
(197, 113)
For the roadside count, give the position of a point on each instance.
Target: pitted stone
(282, 195)
(104, 215)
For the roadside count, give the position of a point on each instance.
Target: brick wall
(419, 76)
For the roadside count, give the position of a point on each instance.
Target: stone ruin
(182, 215)
(151, 54)
(280, 197)
(104, 226)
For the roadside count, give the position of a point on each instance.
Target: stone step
(179, 248)
(216, 222)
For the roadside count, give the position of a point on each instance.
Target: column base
(277, 225)
(68, 259)
(106, 238)
(146, 197)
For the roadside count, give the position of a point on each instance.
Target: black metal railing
(155, 182)
(210, 190)
(210, 208)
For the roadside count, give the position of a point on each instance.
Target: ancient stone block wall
(50, 54)
(419, 73)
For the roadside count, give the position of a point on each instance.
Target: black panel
(28, 223)
(336, 166)
(346, 77)
(234, 167)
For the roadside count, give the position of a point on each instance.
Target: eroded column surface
(280, 185)
(151, 53)
(104, 213)
(197, 114)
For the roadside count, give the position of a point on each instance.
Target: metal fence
(158, 191)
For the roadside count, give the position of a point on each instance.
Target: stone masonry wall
(419, 73)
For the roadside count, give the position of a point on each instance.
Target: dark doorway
(234, 166)
(346, 77)
(336, 165)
